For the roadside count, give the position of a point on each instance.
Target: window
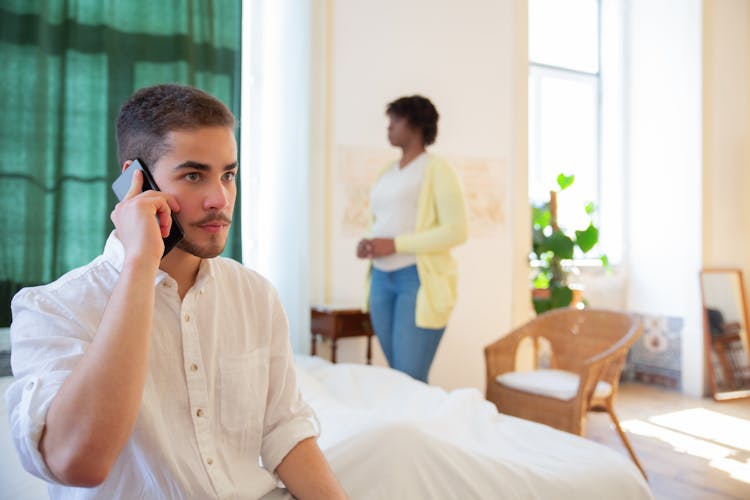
(565, 105)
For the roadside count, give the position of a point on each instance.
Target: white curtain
(274, 141)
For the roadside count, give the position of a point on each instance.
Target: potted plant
(553, 250)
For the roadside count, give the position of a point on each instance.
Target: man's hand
(307, 475)
(134, 218)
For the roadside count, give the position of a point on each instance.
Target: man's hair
(151, 113)
(419, 112)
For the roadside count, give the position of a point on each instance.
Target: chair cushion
(557, 384)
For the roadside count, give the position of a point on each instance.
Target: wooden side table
(334, 323)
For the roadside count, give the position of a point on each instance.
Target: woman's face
(400, 133)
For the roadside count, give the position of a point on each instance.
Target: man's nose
(218, 197)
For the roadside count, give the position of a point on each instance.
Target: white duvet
(388, 436)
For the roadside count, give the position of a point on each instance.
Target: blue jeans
(393, 299)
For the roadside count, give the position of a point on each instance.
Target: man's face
(199, 171)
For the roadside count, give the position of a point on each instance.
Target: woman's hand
(381, 247)
(364, 249)
(376, 247)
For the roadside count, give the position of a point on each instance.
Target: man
(147, 377)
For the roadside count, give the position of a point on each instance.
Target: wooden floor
(686, 445)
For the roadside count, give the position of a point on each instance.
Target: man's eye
(229, 176)
(193, 176)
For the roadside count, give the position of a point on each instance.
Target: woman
(418, 216)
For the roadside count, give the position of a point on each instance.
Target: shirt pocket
(243, 389)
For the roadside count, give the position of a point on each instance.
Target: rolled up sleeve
(288, 419)
(45, 345)
(28, 400)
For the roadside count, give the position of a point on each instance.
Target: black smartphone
(121, 186)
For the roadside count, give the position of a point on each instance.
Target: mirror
(725, 332)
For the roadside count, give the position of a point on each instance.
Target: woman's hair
(151, 113)
(419, 112)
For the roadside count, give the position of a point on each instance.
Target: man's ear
(126, 164)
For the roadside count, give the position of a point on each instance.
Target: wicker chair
(588, 352)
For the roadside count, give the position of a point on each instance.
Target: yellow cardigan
(441, 225)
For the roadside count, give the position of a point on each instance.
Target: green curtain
(67, 66)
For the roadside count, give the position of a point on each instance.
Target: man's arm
(306, 473)
(94, 412)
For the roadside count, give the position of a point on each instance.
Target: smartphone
(122, 185)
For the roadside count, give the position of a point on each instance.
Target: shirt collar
(205, 272)
(114, 253)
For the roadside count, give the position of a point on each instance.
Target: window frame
(537, 70)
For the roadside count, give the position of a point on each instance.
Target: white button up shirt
(221, 407)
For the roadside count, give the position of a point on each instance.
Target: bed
(390, 437)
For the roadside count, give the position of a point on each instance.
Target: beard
(205, 251)
(213, 247)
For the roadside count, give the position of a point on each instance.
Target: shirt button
(193, 367)
(199, 413)
(30, 385)
(209, 460)
(187, 318)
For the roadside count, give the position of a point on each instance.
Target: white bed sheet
(388, 436)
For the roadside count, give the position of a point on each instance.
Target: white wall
(687, 99)
(664, 201)
(464, 57)
(726, 135)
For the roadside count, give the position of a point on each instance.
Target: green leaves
(542, 305)
(552, 298)
(587, 239)
(541, 216)
(565, 181)
(561, 296)
(560, 244)
(554, 252)
(541, 281)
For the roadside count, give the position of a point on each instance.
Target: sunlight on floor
(707, 424)
(721, 439)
